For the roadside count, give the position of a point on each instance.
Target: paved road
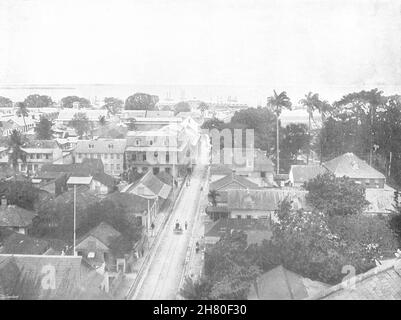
(162, 279)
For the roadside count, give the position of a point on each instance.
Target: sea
(252, 95)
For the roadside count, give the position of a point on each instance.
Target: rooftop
(104, 232)
(303, 173)
(351, 166)
(234, 182)
(13, 216)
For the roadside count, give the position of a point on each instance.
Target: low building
(349, 165)
(94, 246)
(93, 115)
(15, 218)
(110, 151)
(299, 174)
(262, 204)
(39, 153)
(282, 284)
(256, 231)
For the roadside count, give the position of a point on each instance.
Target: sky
(214, 42)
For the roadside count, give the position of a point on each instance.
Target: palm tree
(312, 103)
(102, 121)
(203, 107)
(213, 194)
(22, 110)
(15, 143)
(277, 102)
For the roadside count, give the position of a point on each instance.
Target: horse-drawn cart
(177, 229)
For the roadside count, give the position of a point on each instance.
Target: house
(94, 246)
(262, 204)
(15, 218)
(39, 153)
(351, 166)
(110, 151)
(141, 122)
(299, 174)
(380, 283)
(149, 186)
(9, 123)
(140, 210)
(256, 231)
(251, 163)
(230, 182)
(99, 183)
(87, 166)
(282, 284)
(158, 151)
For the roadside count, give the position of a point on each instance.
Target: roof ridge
(355, 279)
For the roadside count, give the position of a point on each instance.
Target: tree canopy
(113, 105)
(38, 101)
(68, 102)
(336, 196)
(44, 129)
(182, 107)
(80, 123)
(141, 101)
(5, 102)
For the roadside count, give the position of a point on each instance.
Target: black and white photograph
(216, 151)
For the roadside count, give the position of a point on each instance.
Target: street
(161, 278)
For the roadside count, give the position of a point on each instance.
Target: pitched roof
(101, 146)
(233, 179)
(351, 166)
(256, 230)
(88, 166)
(105, 179)
(150, 181)
(303, 173)
(67, 268)
(265, 199)
(165, 177)
(13, 216)
(130, 202)
(380, 283)
(103, 232)
(41, 144)
(282, 284)
(18, 243)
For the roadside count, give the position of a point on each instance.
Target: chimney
(3, 202)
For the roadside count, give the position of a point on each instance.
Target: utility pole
(75, 216)
(278, 147)
(389, 165)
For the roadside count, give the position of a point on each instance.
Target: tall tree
(5, 102)
(213, 194)
(38, 101)
(15, 144)
(44, 129)
(277, 102)
(80, 123)
(295, 141)
(312, 103)
(113, 105)
(102, 121)
(22, 111)
(141, 101)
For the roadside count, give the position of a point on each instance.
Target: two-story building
(157, 151)
(38, 153)
(110, 151)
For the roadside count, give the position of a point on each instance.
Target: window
(38, 156)
(47, 156)
(35, 167)
(106, 155)
(167, 157)
(133, 157)
(29, 167)
(156, 170)
(249, 216)
(118, 156)
(167, 170)
(150, 142)
(111, 155)
(118, 167)
(155, 154)
(144, 157)
(23, 167)
(137, 142)
(238, 216)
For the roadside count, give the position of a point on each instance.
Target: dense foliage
(68, 102)
(336, 196)
(141, 101)
(80, 123)
(43, 129)
(38, 101)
